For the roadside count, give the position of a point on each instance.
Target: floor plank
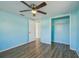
(40, 50)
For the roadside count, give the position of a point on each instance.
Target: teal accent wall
(52, 30)
(13, 30)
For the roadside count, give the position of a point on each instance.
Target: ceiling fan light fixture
(34, 11)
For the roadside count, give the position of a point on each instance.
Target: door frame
(52, 27)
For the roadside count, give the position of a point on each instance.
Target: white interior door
(37, 27)
(31, 30)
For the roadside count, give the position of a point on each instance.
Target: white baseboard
(75, 50)
(72, 48)
(30, 41)
(77, 53)
(13, 47)
(62, 43)
(16, 46)
(46, 42)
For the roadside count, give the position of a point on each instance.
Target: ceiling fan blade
(41, 12)
(41, 5)
(24, 10)
(21, 14)
(26, 4)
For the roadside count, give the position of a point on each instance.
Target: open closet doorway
(60, 30)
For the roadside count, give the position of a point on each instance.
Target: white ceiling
(53, 8)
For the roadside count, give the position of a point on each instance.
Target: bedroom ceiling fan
(34, 8)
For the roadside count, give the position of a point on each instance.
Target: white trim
(70, 32)
(15, 46)
(72, 48)
(46, 42)
(61, 16)
(62, 43)
(50, 29)
(77, 53)
(31, 41)
(70, 29)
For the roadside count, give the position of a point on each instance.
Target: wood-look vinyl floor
(36, 49)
